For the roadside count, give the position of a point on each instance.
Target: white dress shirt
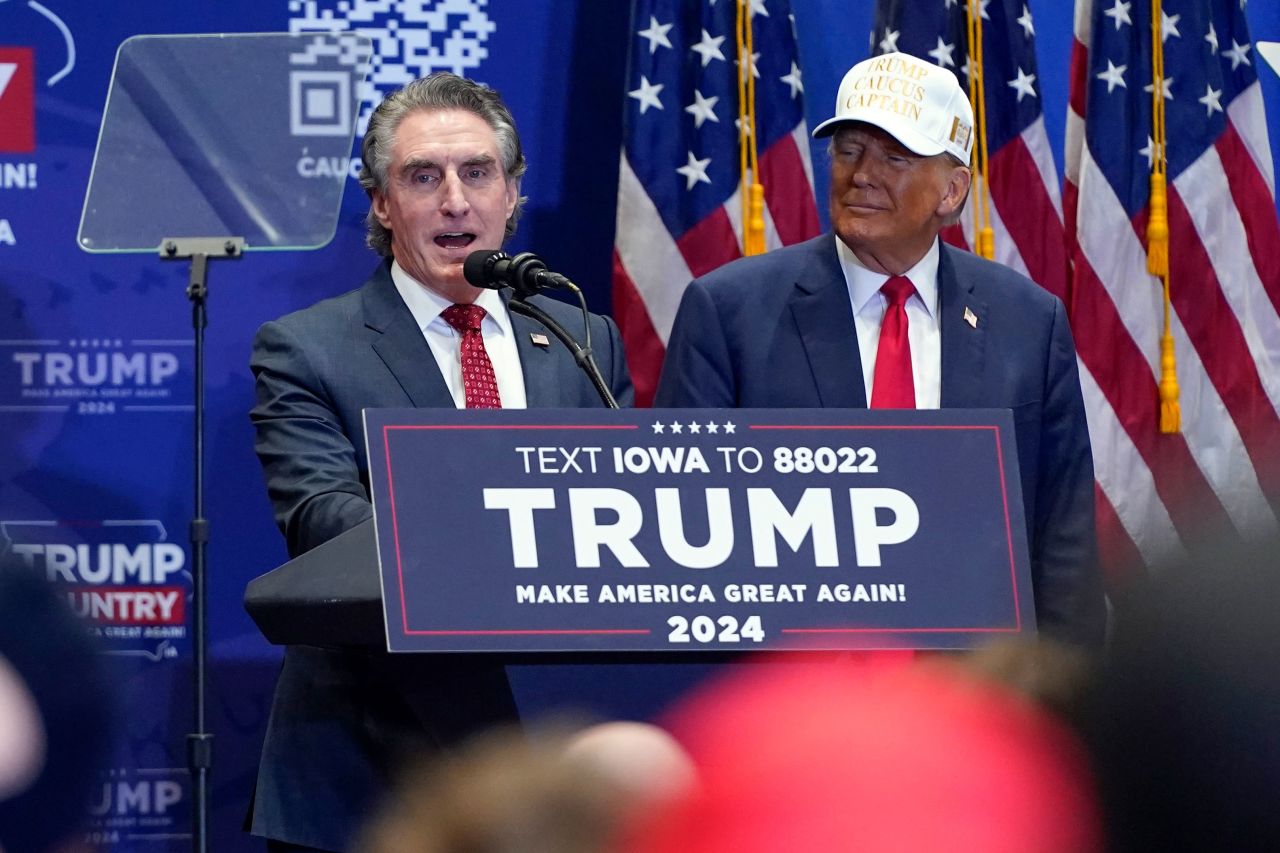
(499, 339)
(923, 331)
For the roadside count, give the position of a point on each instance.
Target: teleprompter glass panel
(235, 135)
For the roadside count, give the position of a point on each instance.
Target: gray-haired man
(442, 166)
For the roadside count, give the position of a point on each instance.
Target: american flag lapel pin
(539, 339)
(970, 317)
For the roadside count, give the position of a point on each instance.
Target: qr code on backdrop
(410, 38)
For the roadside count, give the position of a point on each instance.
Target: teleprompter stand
(199, 251)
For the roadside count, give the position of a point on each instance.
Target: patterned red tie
(478, 382)
(893, 386)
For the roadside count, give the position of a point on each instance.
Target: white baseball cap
(920, 104)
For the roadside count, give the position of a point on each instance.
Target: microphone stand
(582, 355)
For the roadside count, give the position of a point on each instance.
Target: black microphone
(525, 273)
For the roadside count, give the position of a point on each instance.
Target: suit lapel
(543, 386)
(963, 340)
(824, 318)
(400, 343)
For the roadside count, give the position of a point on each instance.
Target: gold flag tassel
(984, 234)
(749, 160)
(1158, 228)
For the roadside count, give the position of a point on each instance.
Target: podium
(669, 531)
(329, 596)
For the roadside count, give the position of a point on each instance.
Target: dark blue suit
(777, 330)
(343, 720)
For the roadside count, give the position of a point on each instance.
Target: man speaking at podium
(442, 164)
(883, 313)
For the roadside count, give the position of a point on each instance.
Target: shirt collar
(426, 305)
(864, 284)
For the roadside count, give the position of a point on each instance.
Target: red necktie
(478, 382)
(892, 386)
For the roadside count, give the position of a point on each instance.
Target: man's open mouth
(454, 239)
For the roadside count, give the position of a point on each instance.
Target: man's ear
(958, 182)
(378, 204)
(513, 195)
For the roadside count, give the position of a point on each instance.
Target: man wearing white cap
(882, 313)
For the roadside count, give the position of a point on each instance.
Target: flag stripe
(649, 256)
(1118, 554)
(643, 346)
(710, 243)
(1023, 201)
(1246, 310)
(1129, 389)
(1036, 139)
(1007, 251)
(1247, 183)
(1126, 481)
(1213, 329)
(1248, 117)
(781, 172)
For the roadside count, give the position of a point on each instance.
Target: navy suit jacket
(777, 330)
(344, 720)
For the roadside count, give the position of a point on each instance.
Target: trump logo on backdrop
(17, 100)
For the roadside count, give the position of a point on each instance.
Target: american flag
(680, 182)
(1157, 491)
(1026, 205)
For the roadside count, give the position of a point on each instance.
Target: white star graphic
(1166, 88)
(793, 80)
(1023, 83)
(713, 427)
(1169, 26)
(1119, 13)
(737, 123)
(709, 48)
(889, 43)
(658, 426)
(950, 3)
(656, 34)
(677, 427)
(1026, 23)
(695, 427)
(1114, 76)
(755, 72)
(647, 95)
(983, 9)
(702, 109)
(1237, 54)
(757, 8)
(967, 68)
(729, 427)
(1212, 38)
(1149, 152)
(1211, 101)
(942, 54)
(695, 171)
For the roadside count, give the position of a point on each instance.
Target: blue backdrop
(96, 355)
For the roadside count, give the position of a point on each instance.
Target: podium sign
(697, 529)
